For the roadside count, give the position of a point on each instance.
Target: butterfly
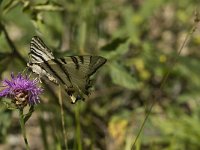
(73, 73)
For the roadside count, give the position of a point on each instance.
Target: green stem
(63, 119)
(23, 129)
(78, 128)
(193, 29)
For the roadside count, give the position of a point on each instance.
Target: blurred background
(140, 39)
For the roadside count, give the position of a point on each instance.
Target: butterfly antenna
(24, 70)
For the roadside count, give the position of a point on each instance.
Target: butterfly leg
(39, 78)
(25, 70)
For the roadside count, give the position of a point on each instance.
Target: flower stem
(23, 129)
(78, 127)
(185, 41)
(63, 119)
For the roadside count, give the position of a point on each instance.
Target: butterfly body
(72, 73)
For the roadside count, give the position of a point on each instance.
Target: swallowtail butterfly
(72, 73)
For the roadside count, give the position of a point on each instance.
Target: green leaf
(122, 77)
(28, 115)
(48, 7)
(119, 51)
(10, 5)
(1, 1)
(114, 44)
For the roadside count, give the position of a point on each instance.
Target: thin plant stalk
(78, 128)
(193, 29)
(62, 118)
(23, 129)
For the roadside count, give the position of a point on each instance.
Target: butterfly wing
(80, 68)
(39, 53)
(74, 73)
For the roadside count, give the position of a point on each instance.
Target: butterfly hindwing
(75, 71)
(79, 68)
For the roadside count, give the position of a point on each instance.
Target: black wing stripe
(38, 46)
(81, 59)
(35, 57)
(98, 65)
(39, 56)
(33, 50)
(38, 41)
(75, 60)
(51, 69)
(90, 59)
(54, 72)
(63, 60)
(37, 50)
(35, 54)
(35, 46)
(40, 65)
(62, 68)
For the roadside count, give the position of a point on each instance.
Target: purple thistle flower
(21, 90)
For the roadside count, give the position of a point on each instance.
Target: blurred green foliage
(140, 39)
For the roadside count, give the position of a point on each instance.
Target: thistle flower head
(22, 90)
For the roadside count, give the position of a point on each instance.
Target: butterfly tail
(74, 95)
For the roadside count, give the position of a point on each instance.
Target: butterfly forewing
(72, 73)
(39, 52)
